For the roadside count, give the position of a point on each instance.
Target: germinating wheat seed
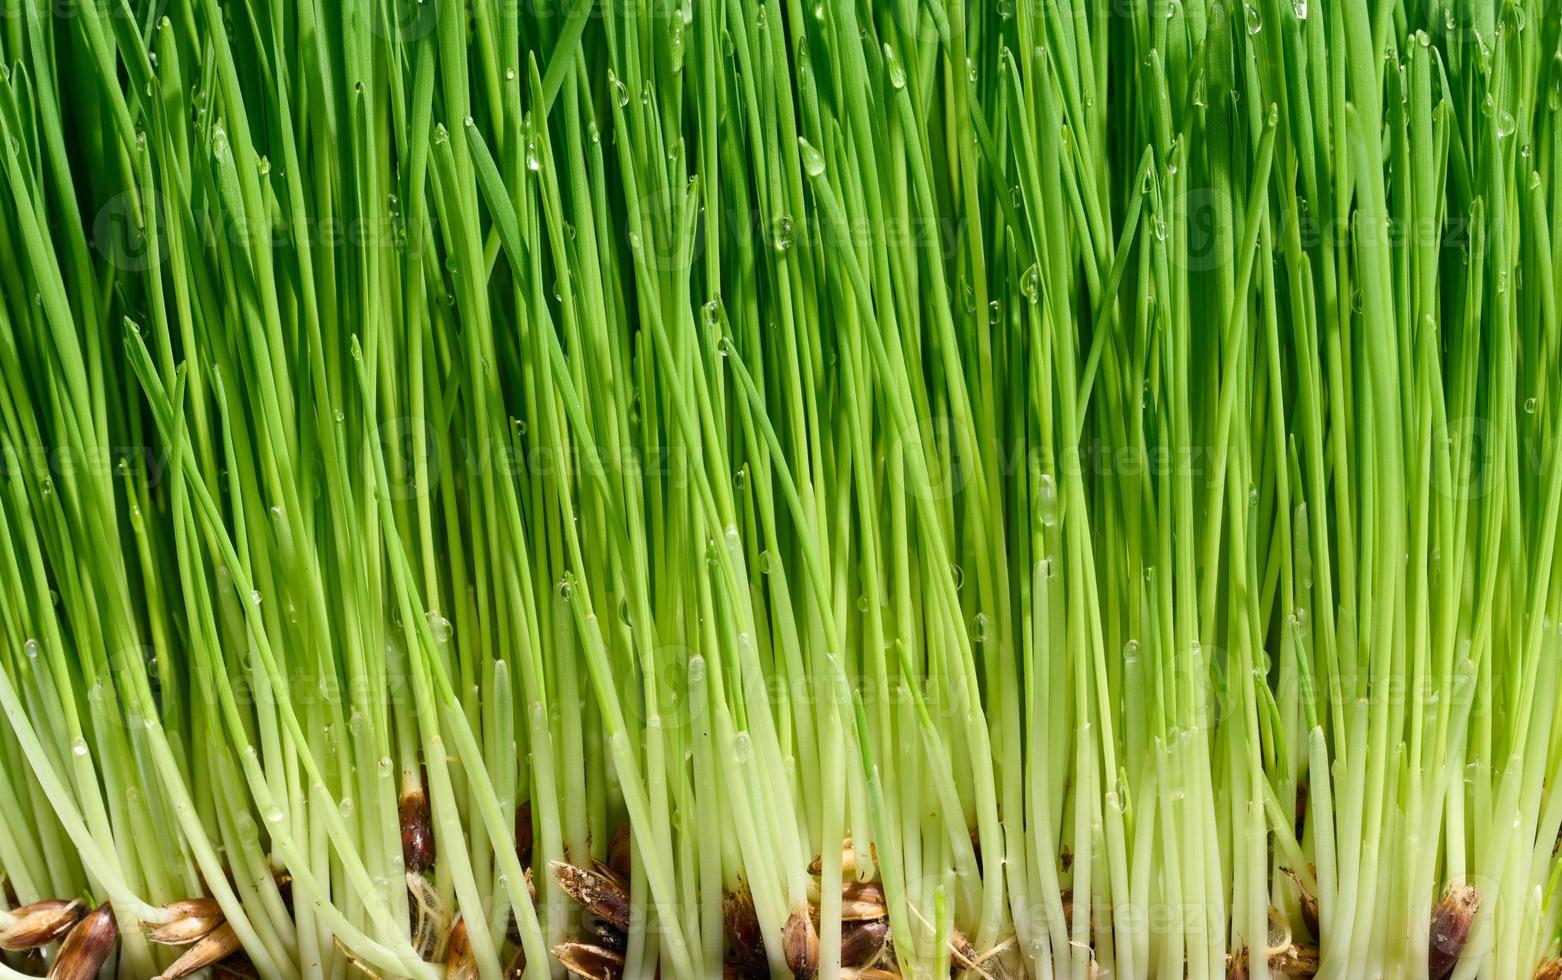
(696, 489)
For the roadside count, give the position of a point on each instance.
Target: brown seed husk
(862, 943)
(800, 945)
(607, 935)
(517, 967)
(848, 860)
(214, 947)
(87, 946)
(862, 901)
(745, 941)
(1299, 961)
(1290, 960)
(236, 967)
(1307, 902)
(962, 954)
(590, 962)
(40, 924)
(1451, 923)
(620, 850)
(196, 918)
(417, 831)
(460, 964)
(597, 892)
(523, 833)
(1550, 970)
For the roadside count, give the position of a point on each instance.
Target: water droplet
(897, 71)
(1158, 226)
(533, 162)
(740, 480)
(783, 233)
(440, 626)
(1254, 20)
(742, 747)
(813, 160)
(1530, 404)
(957, 573)
(79, 746)
(31, 649)
(620, 90)
(981, 628)
(1047, 499)
(1030, 284)
(254, 597)
(1199, 98)
(994, 313)
(970, 71)
(340, 415)
(564, 588)
(274, 814)
(263, 165)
